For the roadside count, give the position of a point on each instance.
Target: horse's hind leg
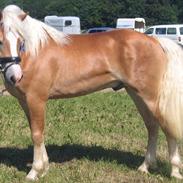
(35, 109)
(174, 157)
(150, 156)
(152, 128)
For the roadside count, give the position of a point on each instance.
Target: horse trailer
(66, 24)
(137, 24)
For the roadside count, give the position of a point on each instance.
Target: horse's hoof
(177, 175)
(30, 179)
(32, 176)
(142, 168)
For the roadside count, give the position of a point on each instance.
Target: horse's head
(10, 43)
(11, 19)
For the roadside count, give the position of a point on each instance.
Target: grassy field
(99, 138)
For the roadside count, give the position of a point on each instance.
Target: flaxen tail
(171, 91)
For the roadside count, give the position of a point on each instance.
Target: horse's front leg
(35, 110)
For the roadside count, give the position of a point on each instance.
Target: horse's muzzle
(11, 69)
(13, 73)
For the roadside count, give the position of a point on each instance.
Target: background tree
(156, 13)
(105, 12)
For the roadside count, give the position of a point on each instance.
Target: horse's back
(92, 60)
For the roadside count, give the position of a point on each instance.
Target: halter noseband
(6, 60)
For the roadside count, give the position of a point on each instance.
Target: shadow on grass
(19, 158)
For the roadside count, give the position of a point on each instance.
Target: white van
(137, 24)
(66, 24)
(173, 31)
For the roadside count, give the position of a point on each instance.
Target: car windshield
(149, 31)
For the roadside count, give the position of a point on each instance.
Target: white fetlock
(175, 173)
(46, 168)
(143, 168)
(32, 175)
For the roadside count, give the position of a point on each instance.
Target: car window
(181, 30)
(68, 22)
(149, 31)
(92, 31)
(98, 30)
(171, 31)
(101, 30)
(160, 31)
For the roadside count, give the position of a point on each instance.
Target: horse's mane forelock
(34, 33)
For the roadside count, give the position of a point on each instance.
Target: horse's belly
(83, 87)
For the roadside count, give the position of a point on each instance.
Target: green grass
(99, 138)
(1, 79)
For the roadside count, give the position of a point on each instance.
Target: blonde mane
(34, 33)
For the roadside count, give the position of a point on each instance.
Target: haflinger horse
(54, 65)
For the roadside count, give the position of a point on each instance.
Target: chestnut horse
(55, 65)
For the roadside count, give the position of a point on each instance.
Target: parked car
(173, 31)
(99, 29)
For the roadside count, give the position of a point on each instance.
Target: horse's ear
(23, 16)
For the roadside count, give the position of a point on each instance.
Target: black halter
(15, 60)
(6, 60)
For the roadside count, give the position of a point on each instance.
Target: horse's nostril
(13, 79)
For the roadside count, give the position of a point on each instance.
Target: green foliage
(105, 12)
(158, 14)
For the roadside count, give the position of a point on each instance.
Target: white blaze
(13, 43)
(14, 71)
